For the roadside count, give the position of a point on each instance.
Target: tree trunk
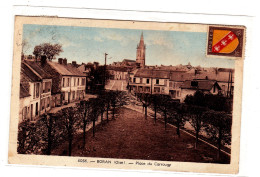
(165, 120)
(94, 121)
(145, 111)
(178, 130)
(84, 133)
(107, 114)
(219, 143)
(102, 112)
(113, 113)
(197, 139)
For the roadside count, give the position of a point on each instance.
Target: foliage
(218, 127)
(214, 102)
(47, 49)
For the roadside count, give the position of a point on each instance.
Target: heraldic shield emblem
(225, 41)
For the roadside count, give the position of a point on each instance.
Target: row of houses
(179, 84)
(46, 84)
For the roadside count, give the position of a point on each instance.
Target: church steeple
(140, 52)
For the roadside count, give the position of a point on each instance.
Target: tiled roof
(33, 76)
(75, 71)
(67, 70)
(151, 73)
(36, 66)
(202, 85)
(220, 76)
(180, 76)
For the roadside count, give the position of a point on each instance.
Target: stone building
(140, 53)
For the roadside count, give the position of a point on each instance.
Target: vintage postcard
(126, 94)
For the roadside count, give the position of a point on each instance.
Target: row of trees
(54, 129)
(203, 111)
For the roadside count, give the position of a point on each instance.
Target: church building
(140, 53)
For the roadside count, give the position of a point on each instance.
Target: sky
(88, 44)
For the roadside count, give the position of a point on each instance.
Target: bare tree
(84, 108)
(196, 119)
(68, 121)
(154, 103)
(164, 104)
(144, 98)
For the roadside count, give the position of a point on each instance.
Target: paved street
(116, 85)
(131, 136)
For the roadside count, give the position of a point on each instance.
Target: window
(78, 81)
(43, 87)
(48, 102)
(34, 87)
(134, 79)
(157, 81)
(170, 84)
(36, 109)
(83, 81)
(68, 83)
(194, 83)
(49, 86)
(147, 81)
(74, 81)
(37, 90)
(165, 82)
(63, 82)
(141, 80)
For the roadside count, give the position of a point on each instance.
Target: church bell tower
(140, 53)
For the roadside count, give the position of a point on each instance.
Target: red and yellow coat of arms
(225, 41)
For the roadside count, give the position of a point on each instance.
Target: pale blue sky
(88, 44)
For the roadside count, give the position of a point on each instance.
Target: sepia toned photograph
(125, 94)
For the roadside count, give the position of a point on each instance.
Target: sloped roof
(23, 92)
(67, 70)
(74, 70)
(220, 76)
(33, 76)
(151, 73)
(128, 60)
(202, 85)
(36, 66)
(180, 76)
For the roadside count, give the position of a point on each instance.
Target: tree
(154, 103)
(164, 104)
(68, 121)
(144, 98)
(177, 112)
(218, 127)
(84, 108)
(47, 49)
(107, 99)
(196, 119)
(27, 138)
(94, 112)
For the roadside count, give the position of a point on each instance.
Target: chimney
(43, 60)
(60, 60)
(74, 63)
(65, 61)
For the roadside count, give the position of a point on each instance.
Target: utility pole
(105, 66)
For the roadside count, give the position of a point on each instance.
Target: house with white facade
(189, 87)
